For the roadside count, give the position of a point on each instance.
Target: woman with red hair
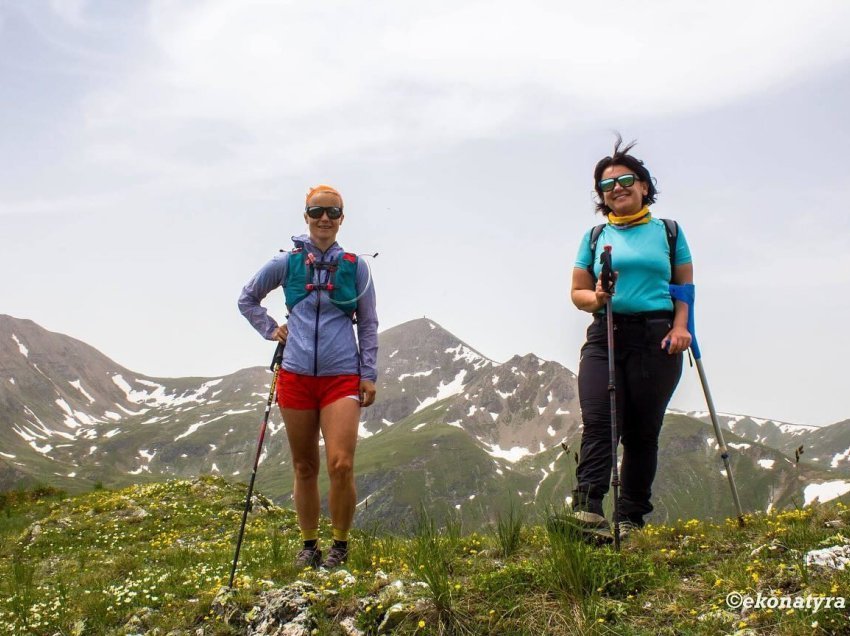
(327, 374)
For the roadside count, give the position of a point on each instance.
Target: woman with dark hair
(650, 334)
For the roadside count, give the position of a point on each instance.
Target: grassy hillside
(153, 559)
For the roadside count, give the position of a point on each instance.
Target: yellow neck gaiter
(638, 218)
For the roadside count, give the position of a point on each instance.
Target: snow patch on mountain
(25, 433)
(825, 491)
(158, 396)
(41, 449)
(129, 412)
(24, 351)
(418, 374)
(444, 390)
(766, 463)
(70, 422)
(796, 429)
(194, 427)
(7, 455)
(77, 384)
(462, 352)
(840, 457)
(540, 483)
(512, 455)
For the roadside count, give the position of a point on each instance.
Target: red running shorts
(307, 392)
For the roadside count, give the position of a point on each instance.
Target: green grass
(152, 558)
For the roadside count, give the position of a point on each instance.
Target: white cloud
(268, 87)
(71, 11)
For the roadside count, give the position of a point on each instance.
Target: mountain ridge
(73, 417)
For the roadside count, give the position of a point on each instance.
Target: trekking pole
(686, 294)
(608, 286)
(275, 368)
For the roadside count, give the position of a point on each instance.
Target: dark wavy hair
(621, 157)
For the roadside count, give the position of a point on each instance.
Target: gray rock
(349, 628)
(283, 612)
(836, 557)
(394, 615)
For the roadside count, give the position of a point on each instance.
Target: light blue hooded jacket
(321, 338)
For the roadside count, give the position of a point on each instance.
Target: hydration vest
(341, 283)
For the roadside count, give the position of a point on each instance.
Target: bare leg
(302, 430)
(339, 422)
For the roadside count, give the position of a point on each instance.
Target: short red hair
(323, 188)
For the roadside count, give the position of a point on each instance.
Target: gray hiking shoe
(589, 520)
(308, 558)
(336, 557)
(627, 528)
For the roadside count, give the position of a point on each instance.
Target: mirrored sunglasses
(625, 181)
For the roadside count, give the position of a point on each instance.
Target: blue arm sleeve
(270, 277)
(687, 294)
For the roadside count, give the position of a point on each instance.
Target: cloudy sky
(153, 155)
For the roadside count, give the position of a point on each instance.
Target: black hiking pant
(646, 376)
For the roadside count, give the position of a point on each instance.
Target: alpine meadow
(122, 496)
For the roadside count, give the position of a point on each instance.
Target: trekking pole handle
(607, 270)
(277, 360)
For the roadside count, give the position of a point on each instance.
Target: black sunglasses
(316, 212)
(625, 180)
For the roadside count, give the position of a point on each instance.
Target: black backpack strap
(672, 229)
(593, 239)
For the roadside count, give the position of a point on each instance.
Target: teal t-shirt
(641, 255)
